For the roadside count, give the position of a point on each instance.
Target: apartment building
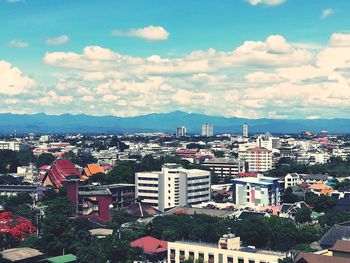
(180, 132)
(259, 159)
(225, 167)
(228, 250)
(207, 130)
(173, 186)
(256, 191)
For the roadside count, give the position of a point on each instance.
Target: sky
(286, 59)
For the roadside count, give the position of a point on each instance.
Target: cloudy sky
(242, 58)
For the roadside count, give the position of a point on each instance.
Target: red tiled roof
(341, 246)
(150, 245)
(314, 258)
(62, 170)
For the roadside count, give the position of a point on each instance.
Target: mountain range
(160, 122)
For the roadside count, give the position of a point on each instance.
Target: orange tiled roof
(95, 168)
(326, 192)
(87, 172)
(319, 186)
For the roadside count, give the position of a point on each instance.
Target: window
(240, 260)
(229, 259)
(191, 255)
(210, 258)
(251, 261)
(182, 255)
(201, 256)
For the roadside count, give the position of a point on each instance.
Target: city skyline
(244, 58)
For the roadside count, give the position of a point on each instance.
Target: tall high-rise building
(180, 132)
(245, 130)
(173, 186)
(207, 130)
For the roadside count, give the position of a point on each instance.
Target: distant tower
(207, 130)
(180, 132)
(245, 130)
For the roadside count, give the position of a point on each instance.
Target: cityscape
(174, 131)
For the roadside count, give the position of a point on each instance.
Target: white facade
(207, 130)
(291, 180)
(12, 145)
(173, 186)
(228, 250)
(180, 132)
(245, 130)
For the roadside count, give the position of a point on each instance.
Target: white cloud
(260, 78)
(339, 40)
(60, 40)
(326, 13)
(266, 2)
(12, 80)
(18, 43)
(148, 33)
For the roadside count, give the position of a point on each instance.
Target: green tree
(303, 215)
(58, 232)
(44, 159)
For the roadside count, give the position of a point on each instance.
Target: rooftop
(22, 253)
(63, 259)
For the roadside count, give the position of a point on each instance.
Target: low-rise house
(154, 250)
(289, 210)
(337, 232)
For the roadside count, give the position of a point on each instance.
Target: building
(93, 169)
(225, 167)
(61, 171)
(245, 130)
(207, 130)
(122, 194)
(173, 186)
(12, 145)
(228, 250)
(252, 192)
(259, 159)
(180, 132)
(153, 250)
(291, 179)
(22, 254)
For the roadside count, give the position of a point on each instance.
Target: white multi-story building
(173, 186)
(12, 145)
(259, 159)
(207, 130)
(180, 132)
(245, 130)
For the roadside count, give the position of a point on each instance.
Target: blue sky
(244, 58)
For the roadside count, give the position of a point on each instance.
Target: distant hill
(165, 122)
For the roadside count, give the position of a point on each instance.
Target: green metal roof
(63, 259)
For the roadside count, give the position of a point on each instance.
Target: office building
(227, 250)
(173, 186)
(256, 191)
(259, 159)
(245, 130)
(225, 167)
(180, 132)
(207, 130)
